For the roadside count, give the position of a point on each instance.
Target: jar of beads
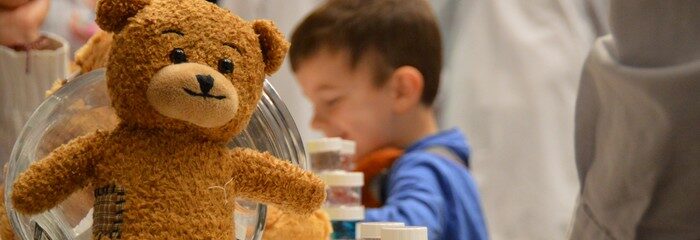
(328, 154)
(343, 188)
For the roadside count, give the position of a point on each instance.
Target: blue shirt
(427, 189)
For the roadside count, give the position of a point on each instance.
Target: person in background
(30, 61)
(371, 70)
(91, 56)
(638, 125)
(511, 77)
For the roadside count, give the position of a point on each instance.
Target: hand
(20, 21)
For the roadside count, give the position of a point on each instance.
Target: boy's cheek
(327, 126)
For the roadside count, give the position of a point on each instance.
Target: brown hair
(399, 32)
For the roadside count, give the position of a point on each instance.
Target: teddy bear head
(187, 65)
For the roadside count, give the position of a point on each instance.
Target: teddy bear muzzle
(194, 93)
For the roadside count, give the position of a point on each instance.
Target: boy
(371, 70)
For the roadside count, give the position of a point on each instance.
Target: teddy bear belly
(180, 192)
(156, 213)
(169, 226)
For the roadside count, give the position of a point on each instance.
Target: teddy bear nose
(206, 82)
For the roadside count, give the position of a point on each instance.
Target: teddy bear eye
(178, 56)
(225, 66)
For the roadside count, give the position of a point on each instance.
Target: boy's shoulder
(444, 148)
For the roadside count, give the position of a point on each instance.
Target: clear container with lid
(344, 220)
(61, 117)
(328, 154)
(343, 188)
(404, 233)
(373, 230)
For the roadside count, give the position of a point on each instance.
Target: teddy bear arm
(263, 177)
(52, 179)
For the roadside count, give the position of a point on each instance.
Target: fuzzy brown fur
(280, 225)
(170, 178)
(6, 232)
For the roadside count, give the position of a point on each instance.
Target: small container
(404, 233)
(373, 230)
(343, 188)
(328, 154)
(344, 220)
(347, 155)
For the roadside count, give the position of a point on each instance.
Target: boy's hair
(394, 33)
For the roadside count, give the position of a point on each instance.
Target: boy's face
(346, 101)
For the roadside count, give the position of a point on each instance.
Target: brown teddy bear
(184, 77)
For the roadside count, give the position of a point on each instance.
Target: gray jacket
(638, 125)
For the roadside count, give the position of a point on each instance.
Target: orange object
(372, 165)
(280, 225)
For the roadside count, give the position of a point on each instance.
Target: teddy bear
(279, 225)
(184, 77)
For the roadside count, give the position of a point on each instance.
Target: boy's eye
(178, 56)
(226, 66)
(333, 101)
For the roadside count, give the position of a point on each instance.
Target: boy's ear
(407, 87)
(113, 15)
(274, 47)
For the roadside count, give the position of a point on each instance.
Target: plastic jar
(343, 188)
(404, 233)
(373, 230)
(328, 154)
(344, 220)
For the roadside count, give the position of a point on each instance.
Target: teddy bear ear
(112, 15)
(274, 47)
